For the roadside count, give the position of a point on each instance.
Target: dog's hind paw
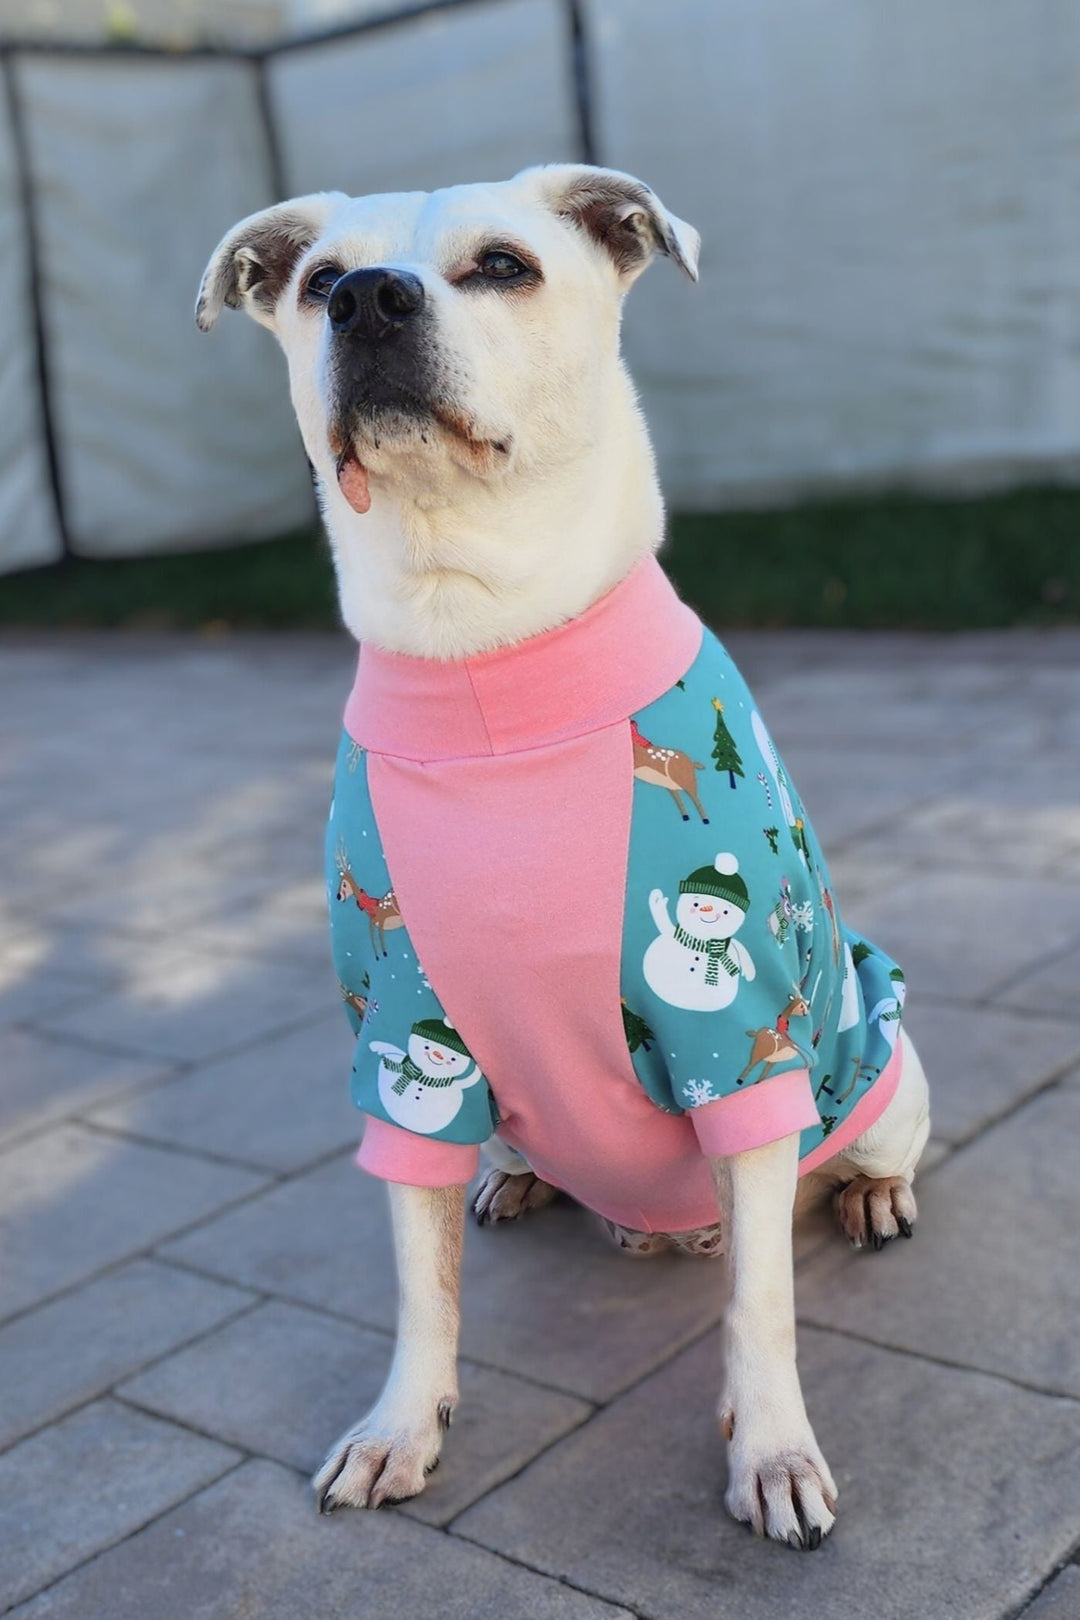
(378, 1461)
(504, 1197)
(874, 1211)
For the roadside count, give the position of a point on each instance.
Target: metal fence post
(582, 85)
(36, 282)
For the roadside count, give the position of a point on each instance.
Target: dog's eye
(500, 266)
(320, 281)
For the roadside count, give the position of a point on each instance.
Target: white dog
(488, 484)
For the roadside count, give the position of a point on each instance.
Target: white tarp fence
(889, 195)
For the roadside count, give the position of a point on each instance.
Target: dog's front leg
(386, 1456)
(778, 1481)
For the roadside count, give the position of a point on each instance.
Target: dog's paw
(380, 1461)
(786, 1493)
(872, 1212)
(503, 1197)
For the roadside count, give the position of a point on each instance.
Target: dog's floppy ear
(251, 266)
(621, 214)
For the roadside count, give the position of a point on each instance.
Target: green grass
(898, 562)
(912, 563)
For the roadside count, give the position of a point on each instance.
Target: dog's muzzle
(380, 363)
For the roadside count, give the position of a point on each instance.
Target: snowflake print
(352, 758)
(802, 915)
(699, 1092)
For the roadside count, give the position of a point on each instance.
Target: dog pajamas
(576, 900)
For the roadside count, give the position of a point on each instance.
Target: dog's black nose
(373, 302)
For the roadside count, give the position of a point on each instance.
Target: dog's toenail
(904, 1224)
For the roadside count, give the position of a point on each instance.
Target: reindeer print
(361, 1001)
(860, 1070)
(383, 914)
(774, 1046)
(353, 999)
(668, 768)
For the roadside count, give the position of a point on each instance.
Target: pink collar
(627, 649)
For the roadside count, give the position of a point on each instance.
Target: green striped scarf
(715, 949)
(410, 1072)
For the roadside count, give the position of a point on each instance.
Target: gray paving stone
(1026, 821)
(135, 853)
(1058, 1601)
(935, 1152)
(912, 711)
(87, 1481)
(38, 972)
(1051, 988)
(547, 1297)
(278, 925)
(990, 1279)
(188, 1005)
(861, 873)
(166, 891)
(1054, 697)
(45, 1078)
(64, 1353)
(284, 1382)
(252, 1546)
(856, 806)
(955, 1491)
(963, 934)
(60, 958)
(981, 1061)
(74, 1200)
(286, 847)
(280, 1104)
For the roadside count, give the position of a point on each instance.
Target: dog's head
(460, 331)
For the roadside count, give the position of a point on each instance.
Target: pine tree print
(636, 1030)
(724, 751)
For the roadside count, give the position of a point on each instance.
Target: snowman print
(886, 1015)
(696, 962)
(849, 994)
(422, 1089)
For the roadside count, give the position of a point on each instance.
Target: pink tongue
(353, 483)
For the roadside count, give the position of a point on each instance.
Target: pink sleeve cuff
(763, 1113)
(396, 1155)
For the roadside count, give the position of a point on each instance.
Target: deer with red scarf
(382, 913)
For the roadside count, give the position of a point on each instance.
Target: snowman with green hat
(696, 962)
(421, 1089)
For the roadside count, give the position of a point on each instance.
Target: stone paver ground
(196, 1293)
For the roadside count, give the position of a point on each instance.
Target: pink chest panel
(510, 872)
